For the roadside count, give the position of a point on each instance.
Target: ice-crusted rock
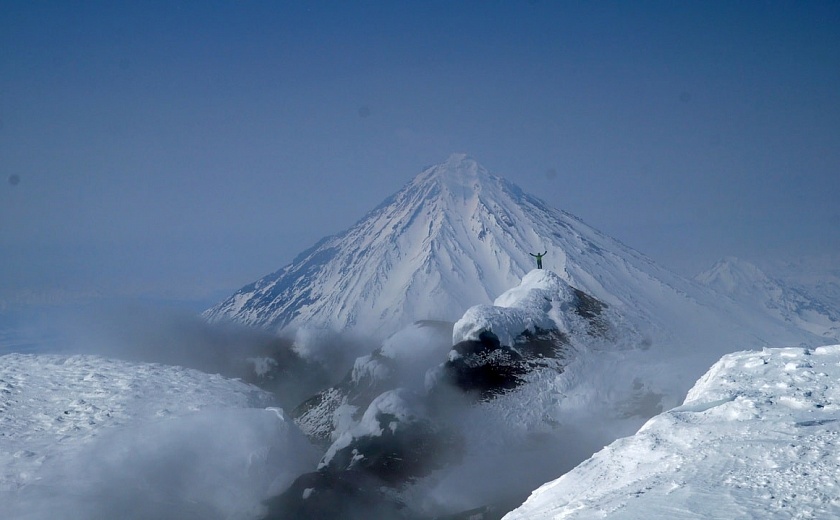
(401, 361)
(396, 429)
(393, 443)
(536, 325)
(542, 301)
(348, 495)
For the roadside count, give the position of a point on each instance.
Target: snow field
(757, 438)
(84, 437)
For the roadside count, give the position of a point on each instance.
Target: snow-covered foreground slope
(758, 437)
(85, 437)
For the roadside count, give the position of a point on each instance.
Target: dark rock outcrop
(486, 368)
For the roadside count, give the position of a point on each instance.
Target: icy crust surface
(757, 437)
(84, 436)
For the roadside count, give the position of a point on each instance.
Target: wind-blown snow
(86, 437)
(757, 438)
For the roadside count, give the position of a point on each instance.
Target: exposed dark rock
(358, 388)
(370, 376)
(591, 309)
(488, 512)
(542, 343)
(587, 306)
(363, 477)
(314, 416)
(485, 367)
(279, 370)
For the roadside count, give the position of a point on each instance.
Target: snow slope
(85, 437)
(757, 438)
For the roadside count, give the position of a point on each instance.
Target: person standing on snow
(539, 258)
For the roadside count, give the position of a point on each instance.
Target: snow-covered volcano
(453, 237)
(458, 236)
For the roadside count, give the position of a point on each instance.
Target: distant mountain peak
(458, 163)
(456, 236)
(730, 274)
(453, 237)
(460, 176)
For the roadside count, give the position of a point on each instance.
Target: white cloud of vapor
(214, 464)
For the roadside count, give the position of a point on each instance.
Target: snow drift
(87, 437)
(757, 437)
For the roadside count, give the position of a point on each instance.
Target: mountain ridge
(747, 284)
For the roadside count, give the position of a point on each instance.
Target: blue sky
(183, 149)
